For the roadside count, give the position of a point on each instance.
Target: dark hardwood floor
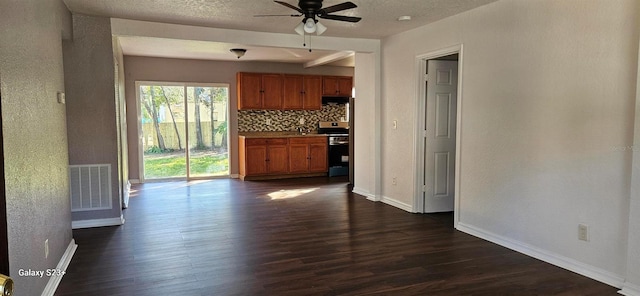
(296, 237)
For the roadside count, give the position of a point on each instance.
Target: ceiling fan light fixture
(239, 52)
(310, 25)
(300, 29)
(320, 28)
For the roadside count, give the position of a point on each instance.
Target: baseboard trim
(234, 176)
(396, 203)
(629, 289)
(546, 256)
(134, 181)
(97, 222)
(364, 193)
(54, 280)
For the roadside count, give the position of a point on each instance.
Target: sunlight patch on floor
(291, 193)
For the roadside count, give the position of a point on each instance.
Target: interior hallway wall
(34, 136)
(547, 104)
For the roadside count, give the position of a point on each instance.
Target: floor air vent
(90, 187)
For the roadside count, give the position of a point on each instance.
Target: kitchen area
(292, 125)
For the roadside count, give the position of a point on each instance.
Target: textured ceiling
(379, 17)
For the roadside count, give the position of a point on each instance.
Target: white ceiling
(379, 19)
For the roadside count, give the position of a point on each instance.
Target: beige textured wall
(91, 107)
(35, 137)
(176, 70)
(548, 94)
(632, 280)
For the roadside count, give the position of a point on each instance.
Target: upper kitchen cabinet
(337, 86)
(259, 91)
(302, 92)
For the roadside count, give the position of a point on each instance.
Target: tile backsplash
(288, 120)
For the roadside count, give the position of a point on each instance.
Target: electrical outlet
(394, 181)
(46, 248)
(61, 98)
(583, 232)
(395, 124)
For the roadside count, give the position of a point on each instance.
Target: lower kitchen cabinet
(308, 155)
(264, 158)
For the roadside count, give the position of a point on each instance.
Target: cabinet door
(293, 92)
(278, 161)
(272, 91)
(318, 161)
(298, 158)
(256, 159)
(345, 84)
(312, 92)
(249, 90)
(329, 85)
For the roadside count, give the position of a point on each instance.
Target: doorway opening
(438, 130)
(183, 130)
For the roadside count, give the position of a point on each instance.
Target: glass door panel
(163, 131)
(208, 135)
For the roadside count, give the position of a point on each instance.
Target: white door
(440, 140)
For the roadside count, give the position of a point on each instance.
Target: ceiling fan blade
(290, 6)
(263, 15)
(343, 18)
(338, 7)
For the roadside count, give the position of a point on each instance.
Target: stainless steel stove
(338, 137)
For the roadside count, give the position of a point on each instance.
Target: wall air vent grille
(90, 187)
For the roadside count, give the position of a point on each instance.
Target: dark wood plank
(306, 236)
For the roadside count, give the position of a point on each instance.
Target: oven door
(338, 156)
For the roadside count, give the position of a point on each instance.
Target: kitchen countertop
(278, 134)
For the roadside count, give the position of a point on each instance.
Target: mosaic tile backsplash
(288, 120)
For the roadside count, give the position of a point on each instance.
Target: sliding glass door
(183, 130)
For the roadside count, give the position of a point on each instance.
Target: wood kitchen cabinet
(263, 156)
(337, 86)
(308, 155)
(302, 92)
(288, 157)
(259, 91)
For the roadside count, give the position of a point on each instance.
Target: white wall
(548, 94)
(632, 280)
(366, 104)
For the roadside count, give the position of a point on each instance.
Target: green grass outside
(171, 166)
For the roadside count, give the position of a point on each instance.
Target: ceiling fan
(311, 9)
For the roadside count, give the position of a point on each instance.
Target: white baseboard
(364, 193)
(54, 280)
(125, 198)
(234, 176)
(397, 204)
(629, 289)
(97, 222)
(546, 256)
(134, 181)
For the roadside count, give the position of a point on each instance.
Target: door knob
(6, 285)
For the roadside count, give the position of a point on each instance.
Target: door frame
(141, 177)
(420, 104)
(4, 236)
